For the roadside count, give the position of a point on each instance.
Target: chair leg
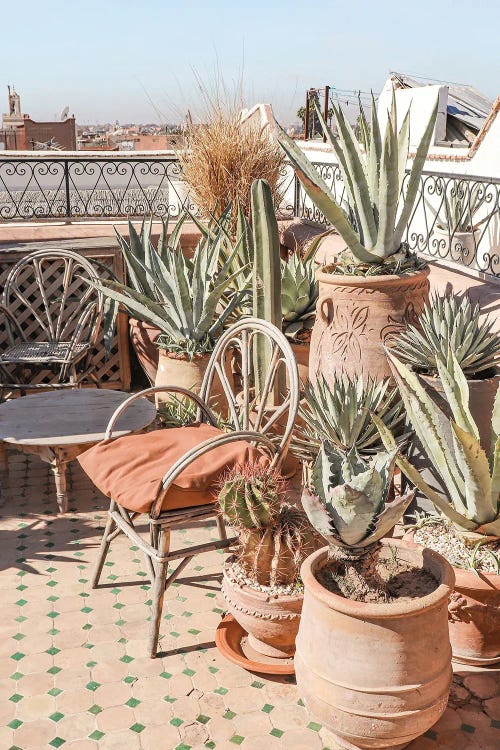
(221, 527)
(158, 592)
(103, 551)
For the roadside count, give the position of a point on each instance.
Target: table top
(70, 417)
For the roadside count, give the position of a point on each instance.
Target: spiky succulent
(274, 537)
(373, 179)
(349, 502)
(299, 294)
(448, 321)
(472, 481)
(460, 204)
(186, 299)
(340, 414)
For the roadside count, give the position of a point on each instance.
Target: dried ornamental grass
(223, 158)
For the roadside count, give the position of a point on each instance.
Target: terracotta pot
(357, 316)
(481, 400)
(142, 336)
(460, 246)
(376, 675)
(474, 617)
(271, 622)
(175, 370)
(301, 352)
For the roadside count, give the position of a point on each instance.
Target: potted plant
(261, 583)
(467, 532)
(186, 299)
(456, 226)
(299, 295)
(373, 659)
(376, 286)
(447, 321)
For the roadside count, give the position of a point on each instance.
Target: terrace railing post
(66, 187)
(296, 197)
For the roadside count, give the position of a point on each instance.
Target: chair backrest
(271, 412)
(48, 295)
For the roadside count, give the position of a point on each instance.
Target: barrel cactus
(274, 537)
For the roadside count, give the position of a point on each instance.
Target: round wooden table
(59, 425)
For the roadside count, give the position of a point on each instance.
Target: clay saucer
(231, 640)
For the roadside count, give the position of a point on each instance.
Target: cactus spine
(266, 280)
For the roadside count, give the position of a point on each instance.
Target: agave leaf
(388, 192)
(175, 237)
(403, 146)
(457, 392)
(476, 471)
(425, 421)
(389, 516)
(446, 508)
(414, 179)
(339, 153)
(135, 267)
(352, 513)
(319, 192)
(319, 517)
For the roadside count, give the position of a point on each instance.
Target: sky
(150, 60)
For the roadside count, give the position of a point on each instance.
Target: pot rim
(182, 356)
(143, 324)
(435, 378)
(260, 596)
(365, 610)
(337, 279)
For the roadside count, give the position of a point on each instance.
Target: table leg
(59, 470)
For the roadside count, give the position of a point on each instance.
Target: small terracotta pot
(357, 316)
(271, 622)
(301, 352)
(459, 246)
(376, 675)
(142, 336)
(186, 373)
(474, 617)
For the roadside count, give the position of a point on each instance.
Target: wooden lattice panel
(113, 371)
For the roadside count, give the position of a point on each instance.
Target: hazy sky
(121, 59)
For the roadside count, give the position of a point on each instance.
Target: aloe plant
(349, 503)
(274, 536)
(472, 481)
(186, 299)
(299, 294)
(373, 179)
(340, 414)
(447, 322)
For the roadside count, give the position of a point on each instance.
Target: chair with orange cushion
(171, 474)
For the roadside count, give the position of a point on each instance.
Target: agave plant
(299, 294)
(373, 179)
(274, 537)
(460, 206)
(340, 414)
(186, 299)
(471, 480)
(350, 504)
(447, 322)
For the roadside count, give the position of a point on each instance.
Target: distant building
(20, 133)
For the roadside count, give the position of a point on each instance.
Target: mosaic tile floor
(73, 672)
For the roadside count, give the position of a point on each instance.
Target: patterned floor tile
(73, 666)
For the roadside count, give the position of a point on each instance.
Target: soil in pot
(357, 316)
(377, 674)
(474, 609)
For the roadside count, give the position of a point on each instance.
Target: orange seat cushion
(130, 468)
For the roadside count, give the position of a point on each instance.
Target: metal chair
(52, 319)
(251, 421)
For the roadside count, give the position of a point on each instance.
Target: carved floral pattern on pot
(458, 609)
(396, 325)
(349, 330)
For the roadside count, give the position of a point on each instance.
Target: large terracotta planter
(271, 622)
(474, 618)
(377, 675)
(142, 336)
(357, 316)
(179, 370)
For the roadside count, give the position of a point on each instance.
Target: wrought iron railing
(456, 217)
(88, 186)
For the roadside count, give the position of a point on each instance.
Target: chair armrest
(157, 389)
(199, 450)
(11, 318)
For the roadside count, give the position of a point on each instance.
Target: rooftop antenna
(64, 113)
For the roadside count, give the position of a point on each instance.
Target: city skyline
(148, 64)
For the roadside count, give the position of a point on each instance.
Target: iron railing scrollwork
(456, 217)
